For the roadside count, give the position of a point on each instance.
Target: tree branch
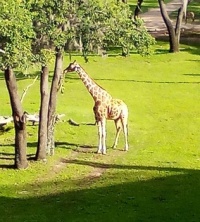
(26, 89)
(1, 50)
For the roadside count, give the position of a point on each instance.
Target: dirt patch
(155, 25)
(56, 168)
(97, 170)
(187, 37)
(95, 174)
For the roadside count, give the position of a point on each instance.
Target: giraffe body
(105, 107)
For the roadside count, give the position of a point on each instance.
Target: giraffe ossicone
(105, 107)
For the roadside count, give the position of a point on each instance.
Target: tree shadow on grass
(161, 51)
(8, 157)
(194, 51)
(32, 144)
(127, 167)
(143, 81)
(195, 75)
(150, 81)
(21, 76)
(172, 197)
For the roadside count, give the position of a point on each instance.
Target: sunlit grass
(157, 180)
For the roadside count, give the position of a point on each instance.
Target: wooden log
(33, 118)
(5, 120)
(73, 123)
(59, 116)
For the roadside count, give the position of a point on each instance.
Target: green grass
(157, 180)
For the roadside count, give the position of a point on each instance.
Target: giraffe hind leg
(118, 129)
(124, 122)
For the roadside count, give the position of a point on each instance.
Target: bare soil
(190, 32)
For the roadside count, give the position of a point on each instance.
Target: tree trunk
(179, 22)
(42, 130)
(52, 102)
(138, 9)
(174, 34)
(19, 121)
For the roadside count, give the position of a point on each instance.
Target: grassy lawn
(158, 179)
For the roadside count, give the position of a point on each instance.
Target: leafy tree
(110, 24)
(123, 31)
(90, 22)
(16, 35)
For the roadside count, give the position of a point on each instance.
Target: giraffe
(105, 107)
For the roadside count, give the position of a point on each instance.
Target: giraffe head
(73, 67)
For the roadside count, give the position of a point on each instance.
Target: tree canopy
(48, 24)
(16, 34)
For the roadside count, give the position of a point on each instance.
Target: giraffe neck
(96, 91)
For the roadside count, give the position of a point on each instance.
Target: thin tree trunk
(42, 130)
(173, 36)
(138, 9)
(52, 102)
(19, 121)
(179, 22)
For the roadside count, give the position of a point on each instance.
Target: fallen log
(35, 118)
(73, 123)
(5, 120)
(59, 116)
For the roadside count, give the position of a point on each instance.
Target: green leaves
(111, 24)
(125, 32)
(16, 34)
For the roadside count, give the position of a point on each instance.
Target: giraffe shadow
(153, 82)
(76, 146)
(82, 148)
(85, 149)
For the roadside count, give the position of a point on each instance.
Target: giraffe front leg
(99, 137)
